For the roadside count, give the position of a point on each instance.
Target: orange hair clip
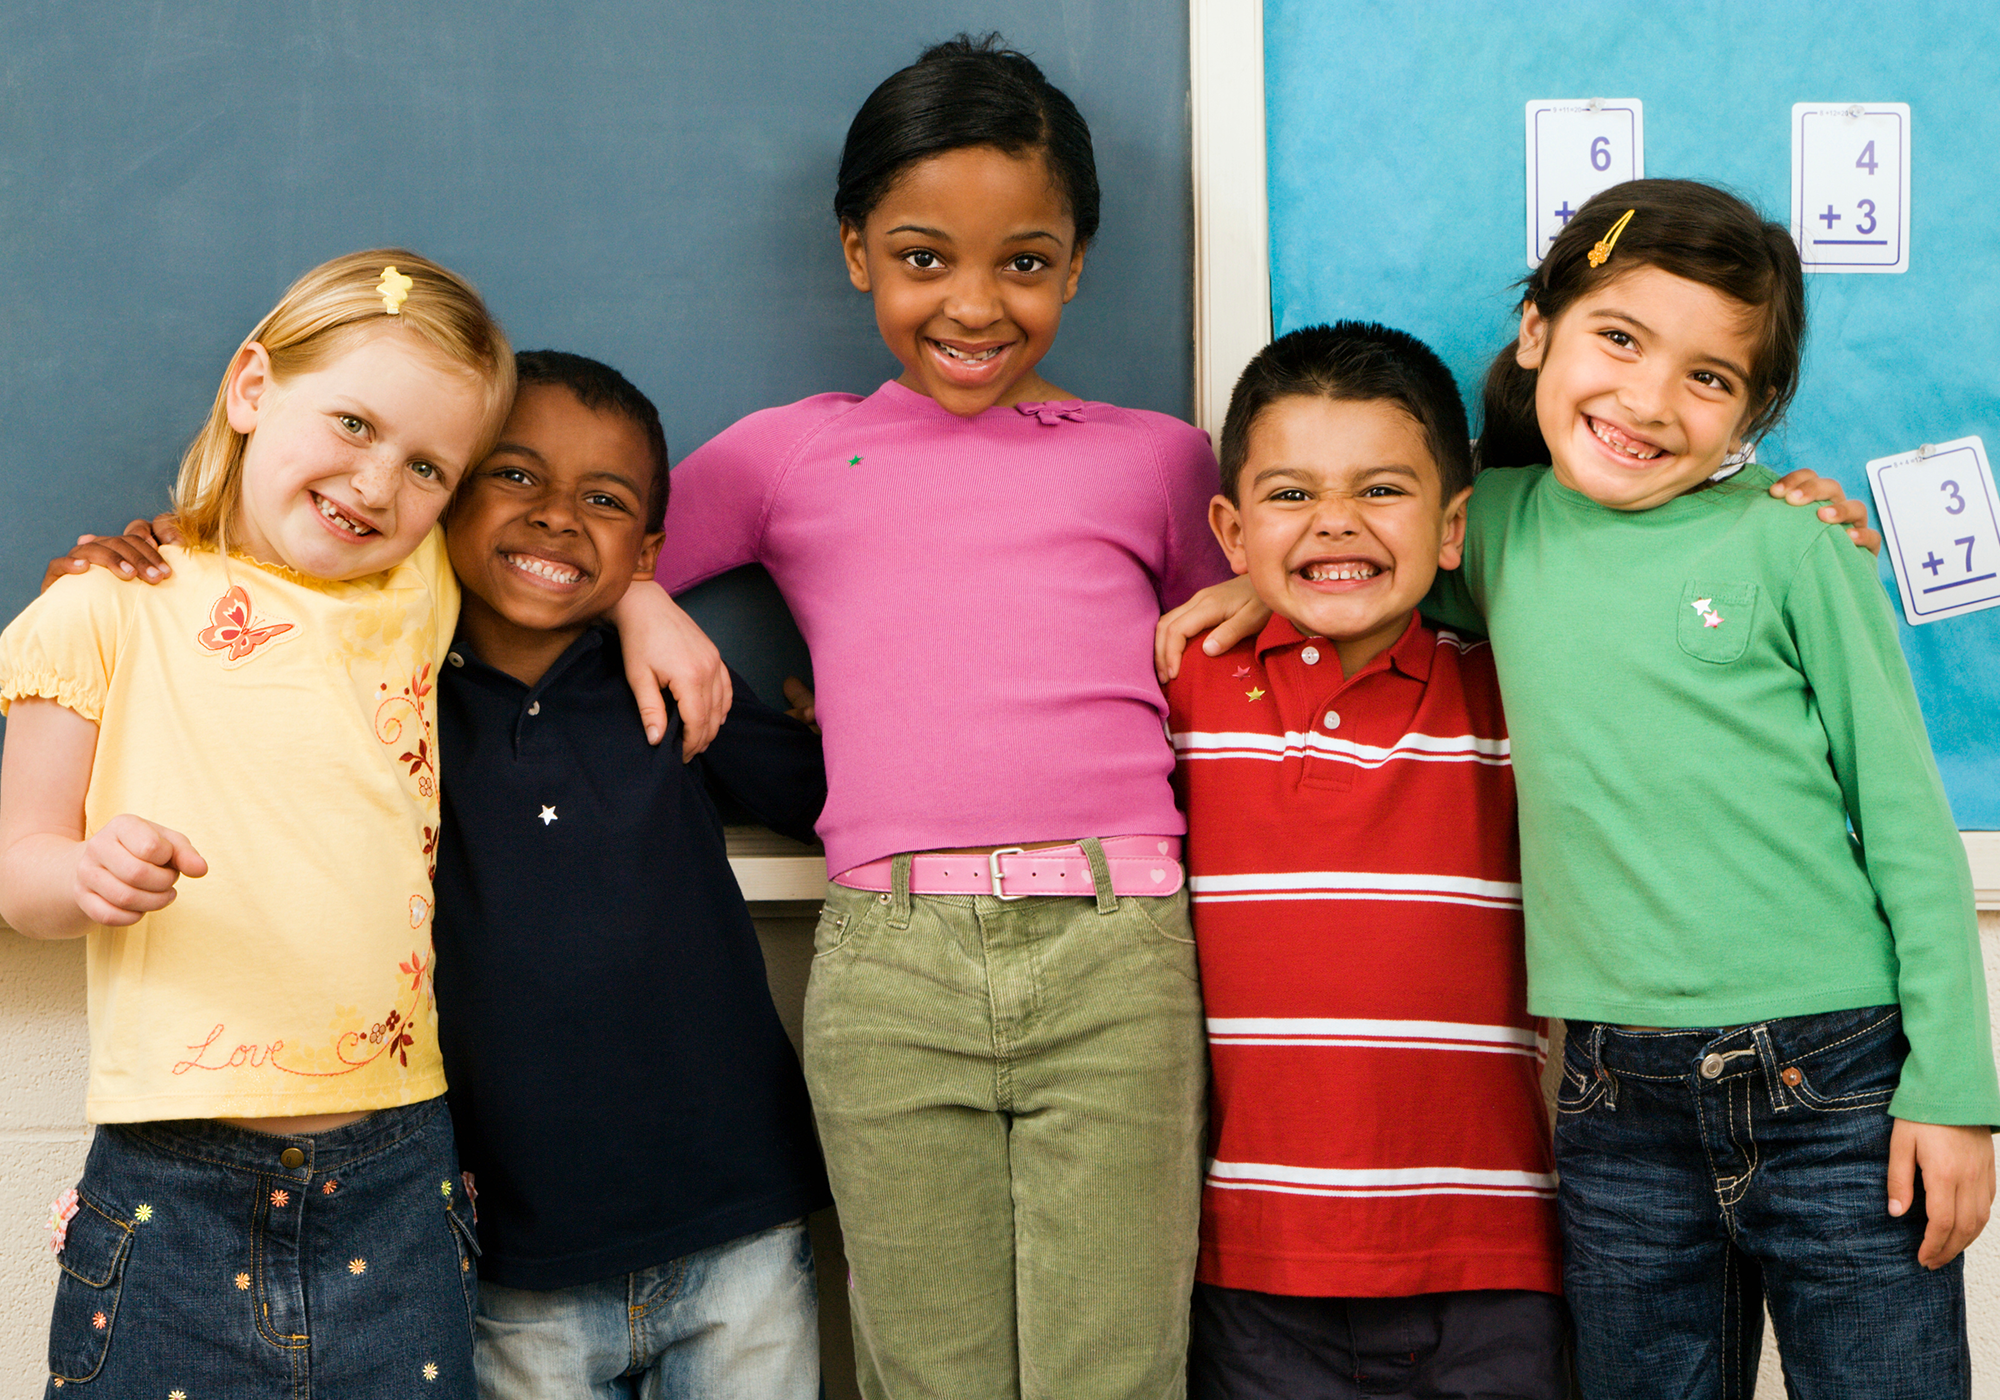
(1601, 254)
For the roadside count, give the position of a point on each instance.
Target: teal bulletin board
(1396, 137)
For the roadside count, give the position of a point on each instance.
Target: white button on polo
(1310, 656)
(454, 658)
(1333, 719)
(535, 708)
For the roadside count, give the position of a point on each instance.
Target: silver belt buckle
(993, 869)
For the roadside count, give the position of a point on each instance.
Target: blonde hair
(321, 316)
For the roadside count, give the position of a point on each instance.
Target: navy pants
(1482, 1344)
(1706, 1172)
(206, 1261)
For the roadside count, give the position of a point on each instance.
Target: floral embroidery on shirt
(234, 629)
(394, 1035)
(61, 1211)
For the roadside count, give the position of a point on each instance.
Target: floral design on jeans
(61, 1211)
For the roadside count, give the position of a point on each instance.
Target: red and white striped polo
(1377, 1126)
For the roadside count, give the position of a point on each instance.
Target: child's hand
(802, 708)
(664, 648)
(1231, 608)
(134, 554)
(128, 869)
(1957, 1163)
(1799, 487)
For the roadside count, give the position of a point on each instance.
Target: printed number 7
(1967, 542)
(1957, 506)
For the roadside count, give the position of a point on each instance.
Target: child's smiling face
(1642, 386)
(348, 465)
(1340, 522)
(549, 531)
(970, 257)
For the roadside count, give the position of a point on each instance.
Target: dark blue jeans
(1706, 1172)
(207, 1261)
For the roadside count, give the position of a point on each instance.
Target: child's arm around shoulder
(769, 763)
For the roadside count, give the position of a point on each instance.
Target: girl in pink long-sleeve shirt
(1008, 1075)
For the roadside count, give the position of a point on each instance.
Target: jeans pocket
(1164, 929)
(842, 916)
(1856, 1071)
(1580, 1090)
(93, 1277)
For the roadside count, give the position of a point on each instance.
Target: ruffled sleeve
(64, 645)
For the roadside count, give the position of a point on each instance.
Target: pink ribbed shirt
(979, 596)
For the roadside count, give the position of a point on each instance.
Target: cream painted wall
(42, 1144)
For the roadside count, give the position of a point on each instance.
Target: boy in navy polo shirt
(1379, 1213)
(630, 1111)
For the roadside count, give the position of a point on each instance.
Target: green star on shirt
(854, 461)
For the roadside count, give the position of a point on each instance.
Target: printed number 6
(1600, 153)
(1957, 505)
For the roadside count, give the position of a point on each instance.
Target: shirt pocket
(1715, 619)
(87, 1292)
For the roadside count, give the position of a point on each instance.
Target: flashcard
(1851, 185)
(1941, 521)
(1576, 147)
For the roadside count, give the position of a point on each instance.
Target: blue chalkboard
(1396, 149)
(645, 183)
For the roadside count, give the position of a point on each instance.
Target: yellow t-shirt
(286, 725)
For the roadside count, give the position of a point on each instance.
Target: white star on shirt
(548, 815)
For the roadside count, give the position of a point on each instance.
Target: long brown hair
(1692, 230)
(320, 316)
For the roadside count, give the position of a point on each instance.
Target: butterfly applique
(230, 628)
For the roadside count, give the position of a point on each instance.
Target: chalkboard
(646, 183)
(1396, 141)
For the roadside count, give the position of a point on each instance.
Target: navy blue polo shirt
(621, 1087)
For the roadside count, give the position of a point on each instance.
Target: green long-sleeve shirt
(1702, 697)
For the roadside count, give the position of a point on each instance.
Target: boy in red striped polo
(1378, 1216)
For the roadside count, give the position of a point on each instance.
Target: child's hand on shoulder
(1957, 1163)
(1805, 486)
(129, 868)
(1232, 608)
(134, 554)
(665, 649)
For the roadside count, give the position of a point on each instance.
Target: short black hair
(602, 389)
(966, 92)
(1353, 361)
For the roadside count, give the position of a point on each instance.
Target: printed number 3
(1867, 208)
(1600, 153)
(1957, 505)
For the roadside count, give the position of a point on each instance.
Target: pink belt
(1140, 865)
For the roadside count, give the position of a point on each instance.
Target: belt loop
(1100, 875)
(1604, 1076)
(899, 891)
(1767, 1055)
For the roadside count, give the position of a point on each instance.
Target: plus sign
(1933, 563)
(1830, 217)
(1565, 213)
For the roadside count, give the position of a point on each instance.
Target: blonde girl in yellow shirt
(228, 784)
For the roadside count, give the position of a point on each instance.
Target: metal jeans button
(292, 1157)
(1711, 1065)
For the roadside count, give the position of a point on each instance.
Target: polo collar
(1412, 653)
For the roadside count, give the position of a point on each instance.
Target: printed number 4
(1866, 160)
(1957, 506)
(1600, 153)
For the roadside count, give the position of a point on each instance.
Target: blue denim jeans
(206, 1260)
(1708, 1172)
(737, 1321)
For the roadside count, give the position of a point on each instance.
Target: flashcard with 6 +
(1576, 147)
(1851, 186)
(1941, 521)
